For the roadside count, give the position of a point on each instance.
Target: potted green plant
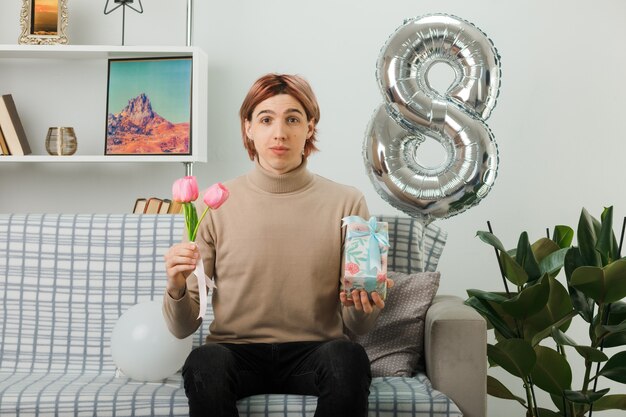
(530, 318)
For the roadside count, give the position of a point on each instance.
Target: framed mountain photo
(149, 106)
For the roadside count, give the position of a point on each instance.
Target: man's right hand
(180, 261)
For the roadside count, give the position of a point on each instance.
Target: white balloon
(143, 347)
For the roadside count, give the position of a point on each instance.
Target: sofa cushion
(66, 394)
(413, 247)
(396, 344)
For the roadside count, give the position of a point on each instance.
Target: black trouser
(338, 372)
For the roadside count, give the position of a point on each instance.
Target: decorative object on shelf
(61, 141)
(149, 106)
(12, 130)
(43, 22)
(414, 111)
(162, 205)
(123, 4)
(4, 147)
(140, 205)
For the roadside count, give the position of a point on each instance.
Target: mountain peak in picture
(138, 129)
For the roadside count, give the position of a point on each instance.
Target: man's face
(279, 129)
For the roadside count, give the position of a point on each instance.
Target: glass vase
(61, 141)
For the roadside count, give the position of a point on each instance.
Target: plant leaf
(590, 354)
(615, 368)
(584, 398)
(487, 311)
(615, 275)
(516, 356)
(558, 309)
(553, 262)
(544, 247)
(491, 301)
(512, 270)
(614, 340)
(590, 280)
(552, 372)
(616, 317)
(525, 257)
(607, 244)
(615, 328)
(618, 312)
(604, 285)
(561, 338)
(486, 295)
(510, 321)
(491, 239)
(497, 389)
(610, 402)
(588, 230)
(542, 334)
(544, 412)
(582, 304)
(529, 301)
(563, 236)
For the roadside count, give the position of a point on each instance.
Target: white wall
(557, 122)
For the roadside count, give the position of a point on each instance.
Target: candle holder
(123, 4)
(61, 141)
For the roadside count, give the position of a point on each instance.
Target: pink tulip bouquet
(185, 191)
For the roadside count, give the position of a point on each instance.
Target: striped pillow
(413, 247)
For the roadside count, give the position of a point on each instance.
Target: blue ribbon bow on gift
(375, 238)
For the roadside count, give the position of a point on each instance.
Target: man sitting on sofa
(275, 251)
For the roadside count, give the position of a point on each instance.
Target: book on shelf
(140, 206)
(165, 206)
(176, 207)
(12, 128)
(153, 205)
(4, 149)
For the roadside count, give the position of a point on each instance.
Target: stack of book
(155, 205)
(12, 136)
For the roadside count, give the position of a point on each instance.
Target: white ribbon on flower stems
(203, 282)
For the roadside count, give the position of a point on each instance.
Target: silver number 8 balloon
(413, 110)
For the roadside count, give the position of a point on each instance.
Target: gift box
(365, 255)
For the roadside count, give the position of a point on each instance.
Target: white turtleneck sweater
(275, 251)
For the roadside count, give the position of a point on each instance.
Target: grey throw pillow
(396, 343)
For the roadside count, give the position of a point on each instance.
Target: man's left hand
(361, 301)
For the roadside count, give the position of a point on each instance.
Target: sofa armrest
(455, 344)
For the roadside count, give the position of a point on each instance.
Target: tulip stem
(195, 230)
(188, 220)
